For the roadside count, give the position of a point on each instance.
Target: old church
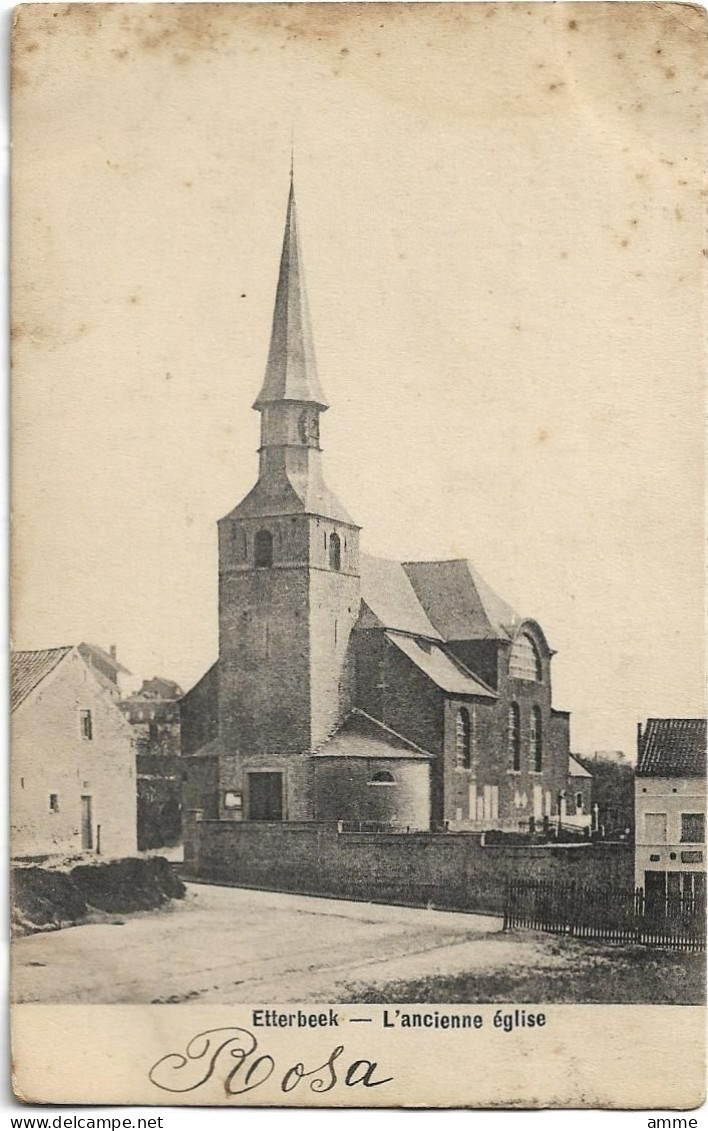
(351, 688)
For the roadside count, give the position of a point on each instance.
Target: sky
(501, 212)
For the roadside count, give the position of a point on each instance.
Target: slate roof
(673, 748)
(278, 494)
(291, 372)
(446, 672)
(459, 603)
(386, 589)
(360, 736)
(28, 669)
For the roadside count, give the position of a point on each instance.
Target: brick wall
(452, 870)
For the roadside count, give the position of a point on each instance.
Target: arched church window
(263, 549)
(535, 740)
(335, 552)
(525, 662)
(514, 736)
(382, 777)
(463, 734)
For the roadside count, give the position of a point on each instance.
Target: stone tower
(289, 587)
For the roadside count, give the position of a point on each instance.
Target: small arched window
(525, 662)
(335, 552)
(264, 549)
(579, 802)
(514, 736)
(382, 777)
(463, 734)
(535, 740)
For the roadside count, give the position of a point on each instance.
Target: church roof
(450, 675)
(279, 494)
(673, 748)
(390, 596)
(361, 736)
(291, 371)
(459, 603)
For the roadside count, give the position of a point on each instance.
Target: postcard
(358, 675)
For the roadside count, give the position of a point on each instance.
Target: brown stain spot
(573, 25)
(120, 52)
(665, 161)
(134, 300)
(516, 325)
(640, 176)
(670, 73)
(678, 214)
(17, 331)
(344, 51)
(181, 58)
(564, 255)
(187, 184)
(541, 436)
(624, 242)
(31, 46)
(555, 85)
(619, 55)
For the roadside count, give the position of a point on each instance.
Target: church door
(265, 797)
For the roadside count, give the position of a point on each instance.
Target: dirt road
(232, 945)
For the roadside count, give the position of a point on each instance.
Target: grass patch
(587, 973)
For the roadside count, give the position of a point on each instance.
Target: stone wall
(453, 870)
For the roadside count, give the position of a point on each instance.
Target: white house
(670, 809)
(73, 782)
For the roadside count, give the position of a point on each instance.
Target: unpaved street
(233, 945)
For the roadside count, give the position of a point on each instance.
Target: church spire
(291, 371)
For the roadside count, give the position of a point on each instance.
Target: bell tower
(289, 587)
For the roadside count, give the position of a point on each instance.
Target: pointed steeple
(291, 372)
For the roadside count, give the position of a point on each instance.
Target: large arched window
(514, 736)
(536, 740)
(382, 777)
(263, 548)
(525, 662)
(463, 739)
(335, 552)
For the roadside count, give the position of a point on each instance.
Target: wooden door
(265, 796)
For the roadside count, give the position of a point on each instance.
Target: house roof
(459, 603)
(361, 736)
(28, 669)
(102, 659)
(673, 748)
(386, 589)
(576, 769)
(446, 672)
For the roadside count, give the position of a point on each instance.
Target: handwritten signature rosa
(234, 1049)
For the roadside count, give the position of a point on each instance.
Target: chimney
(639, 740)
(113, 651)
